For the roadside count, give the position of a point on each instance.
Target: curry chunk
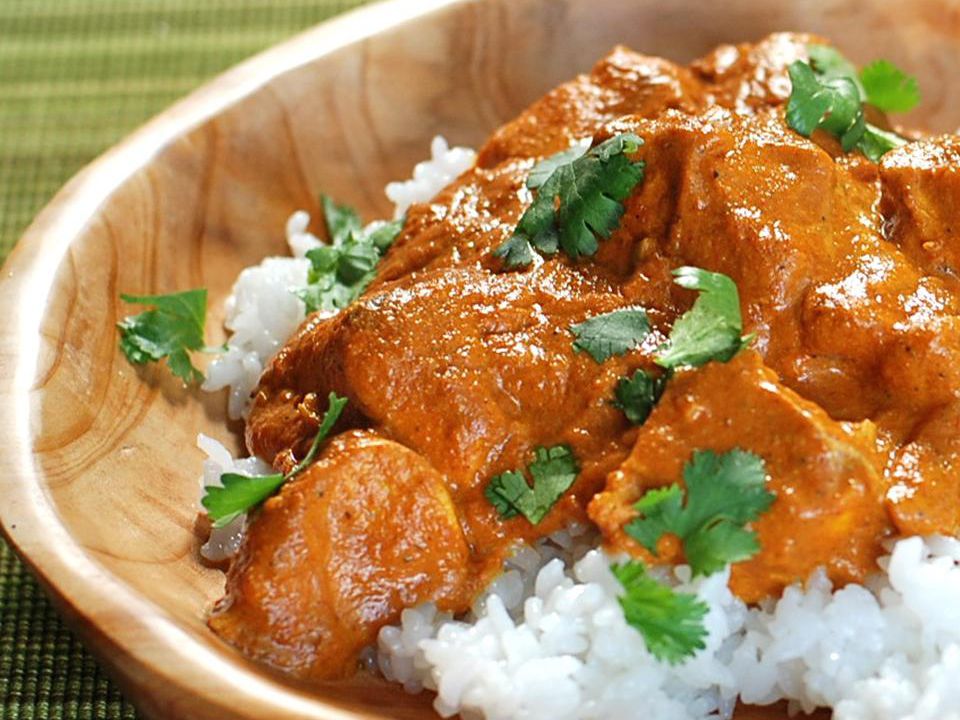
(843, 315)
(367, 531)
(829, 508)
(745, 196)
(921, 198)
(924, 494)
(623, 83)
(752, 76)
(469, 369)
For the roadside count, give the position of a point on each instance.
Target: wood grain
(99, 474)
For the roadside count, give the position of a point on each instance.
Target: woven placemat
(75, 77)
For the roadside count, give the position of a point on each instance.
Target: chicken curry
(459, 364)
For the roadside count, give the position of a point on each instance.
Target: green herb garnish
(723, 493)
(579, 199)
(711, 329)
(637, 395)
(832, 104)
(240, 493)
(889, 88)
(829, 63)
(671, 622)
(828, 93)
(545, 168)
(613, 333)
(553, 472)
(341, 270)
(170, 330)
(342, 221)
(881, 83)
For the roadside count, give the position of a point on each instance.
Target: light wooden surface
(99, 474)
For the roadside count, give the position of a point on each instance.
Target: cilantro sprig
(553, 471)
(710, 330)
(671, 622)
(172, 328)
(579, 200)
(723, 493)
(880, 83)
(612, 333)
(889, 88)
(637, 395)
(341, 270)
(829, 63)
(828, 93)
(832, 104)
(240, 493)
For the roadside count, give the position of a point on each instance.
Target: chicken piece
(829, 507)
(924, 496)
(745, 196)
(748, 197)
(842, 315)
(461, 225)
(478, 212)
(367, 531)
(469, 369)
(622, 83)
(744, 78)
(921, 198)
(752, 76)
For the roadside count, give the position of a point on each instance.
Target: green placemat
(75, 77)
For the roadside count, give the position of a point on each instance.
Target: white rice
(224, 542)
(548, 639)
(566, 652)
(430, 176)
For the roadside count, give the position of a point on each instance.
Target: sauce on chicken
(457, 369)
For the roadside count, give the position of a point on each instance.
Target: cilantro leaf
(828, 94)
(613, 333)
(888, 88)
(671, 623)
(881, 83)
(711, 329)
(637, 395)
(723, 493)
(553, 472)
(579, 200)
(240, 493)
(342, 221)
(544, 169)
(382, 234)
(876, 142)
(832, 104)
(506, 492)
(517, 251)
(174, 326)
(341, 270)
(830, 63)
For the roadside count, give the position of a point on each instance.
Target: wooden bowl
(99, 474)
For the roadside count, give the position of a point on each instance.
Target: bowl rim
(144, 645)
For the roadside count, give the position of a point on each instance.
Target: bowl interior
(105, 509)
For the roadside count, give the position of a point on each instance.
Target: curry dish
(457, 368)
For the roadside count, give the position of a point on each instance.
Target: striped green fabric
(75, 77)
